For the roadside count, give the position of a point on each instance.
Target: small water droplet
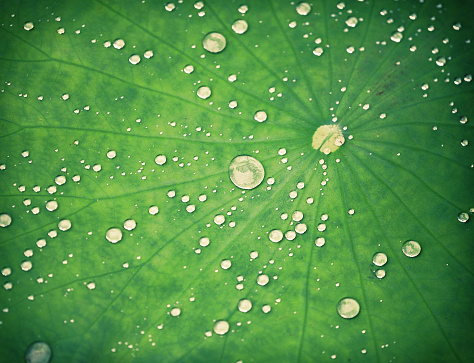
(111, 154)
(64, 225)
(219, 219)
(253, 254)
(38, 352)
(465, 142)
(114, 235)
(411, 248)
(260, 116)
(441, 61)
(380, 273)
(396, 37)
(318, 51)
(243, 9)
(379, 259)
(301, 228)
(60, 180)
(28, 26)
(275, 236)
(321, 227)
(134, 59)
(266, 308)
(214, 42)
(188, 69)
(226, 264)
(303, 8)
(6, 271)
(348, 308)
(175, 312)
(245, 305)
(91, 285)
(352, 21)
(463, 217)
(262, 280)
(148, 54)
(170, 7)
(320, 241)
(246, 172)
(240, 26)
(119, 43)
(26, 265)
(153, 210)
(129, 224)
(5, 220)
(204, 92)
(221, 327)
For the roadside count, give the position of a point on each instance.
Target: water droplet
(328, 138)
(352, 21)
(379, 259)
(28, 26)
(226, 264)
(219, 219)
(91, 285)
(160, 159)
(221, 327)
(396, 37)
(60, 180)
(64, 225)
(320, 241)
(318, 51)
(198, 5)
(175, 312)
(153, 210)
(463, 119)
(262, 280)
(170, 7)
(260, 116)
(114, 235)
(243, 9)
(276, 235)
(297, 216)
(214, 42)
(188, 69)
(134, 59)
(204, 241)
(380, 273)
(148, 54)
(348, 308)
(351, 211)
(245, 305)
(38, 352)
(6, 271)
(119, 43)
(111, 154)
(321, 227)
(303, 8)
(5, 220)
(204, 92)
(246, 172)
(464, 142)
(191, 208)
(266, 308)
(232, 104)
(463, 217)
(411, 248)
(129, 224)
(7, 285)
(41, 243)
(441, 61)
(290, 235)
(26, 265)
(301, 228)
(240, 26)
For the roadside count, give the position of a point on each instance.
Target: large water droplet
(219, 219)
(396, 37)
(64, 225)
(119, 43)
(303, 8)
(38, 352)
(348, 308)
(276, 235)
(114, 235)
(226, 264)
(411, 248)
(245, 305)
(134, 59)
(214, 42)
(246, 172)
(463, 217)
(28, 26)
(260, 116)
(204, 92)
(240, 26)
(175, 312)
(328, 138)
(129, 224)
(26, 265)
(221, 327)
(379, 259)
(320, 241)
(352, 21)
(262, 280)
(5, 220)
(160, 159)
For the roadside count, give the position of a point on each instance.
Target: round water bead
(463, 217)
(240, 26)
(129, 224)
(119, 43)
(260, 116)
(5, 220)
(160, 159)
(246, 172)
(352, 21)
(219, 219)
(204, 241)
(266, 308)
(245, 305)
(348, 308)
(396, 37)
(175, 312)
(28, 26)
(153, 210)
(114, 235)
(379, 259)
(411, 248)
(226, 264)
(26, 265)
(38, 352)
(320, 241)
(214, 42)
(303, 8)
(297, 216)
(204, 92)
(134, 59)
(301, 228)
(290, 235)
(328, 138)
(221, 327)
(380, 273)
(262, 280)
(64, 225)
(275, 235)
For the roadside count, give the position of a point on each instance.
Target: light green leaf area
(81, 126)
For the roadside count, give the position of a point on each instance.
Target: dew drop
(188, 69)
(328, 138)
(411, 248)
(320, 241)
(240, 26)
(119, 43)
(204, 92)
(38, 352)
(262, 280)
(379, 259)
(290, 235)
(301, 228)
(232, 104)
(380, 273)
(221, 327)
(275, 236)
(219, 219)
(253, 255)
(245, 305)
(396, 37)
(60, 180)
(5, 220)
(26, 265)
(134, 59)
(348, 308)
(129, 224)
(303, 8)
(170, 7)
(204, 241)
(64, 225)
(91, 285)
(318, 51)
(226, 264)
(6, 271)
(28, 26)
(297, 216)
(464, 142)
(111, 154)
(321, 227)
(260, 116)
(153, 210)
(175, 312)
(214, 42)
(160, 159)
(266, 308)
(114, 235)
(441, 61)
(246, 172)
(191, 208)
(463, 119)
(463, 217)
(351, 22)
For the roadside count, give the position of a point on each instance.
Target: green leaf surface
(397, 86)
